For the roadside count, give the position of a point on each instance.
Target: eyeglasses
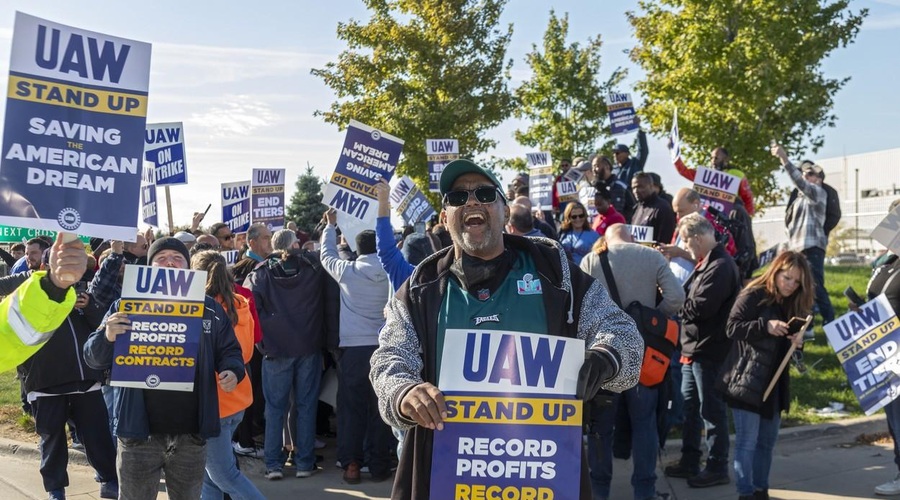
(484, 194)
(577, 216)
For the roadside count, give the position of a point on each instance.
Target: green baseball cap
(459, 167)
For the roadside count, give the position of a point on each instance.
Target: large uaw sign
(165, 307)
(236, 206)
(267, 197)
(368, 155)
(73, 138)
(514, 426)
(540, 180)
(717, 189)
(867, 344)
(411, 203)
(439, 152)
(164, 146)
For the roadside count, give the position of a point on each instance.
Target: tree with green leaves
(741, 74)
(421, 69)
(564, 100)
(306, 205)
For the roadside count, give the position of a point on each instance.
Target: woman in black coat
(758, 327)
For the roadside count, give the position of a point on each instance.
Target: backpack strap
(610, 280)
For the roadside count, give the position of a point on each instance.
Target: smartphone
(207, 209)
(81, 287)
(852, 296)
(795, 324)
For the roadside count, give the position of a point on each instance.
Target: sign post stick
(169, 208)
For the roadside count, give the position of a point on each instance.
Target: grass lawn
(824, 383)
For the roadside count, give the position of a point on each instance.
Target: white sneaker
(248, 452)
(889, 488)
(274, 475)
(307, 473)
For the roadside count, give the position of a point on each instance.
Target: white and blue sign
(164, 146)
(411, 203)
(641, 234)
(73, 136)
(267, 197)
(368, 155)
(540, 179)
(165, 306)
(621, 113)
(236, 206)
(439, 153)
(513, 426)
(867, 343)
(148, 196)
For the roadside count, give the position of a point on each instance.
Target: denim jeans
(892, 412)
(754, 442)
(703, 405)
(641, 404)
(141, 462)
(281, 376)
(816, 258)
(222, 475)
(363, 437)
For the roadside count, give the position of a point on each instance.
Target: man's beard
(462, 238)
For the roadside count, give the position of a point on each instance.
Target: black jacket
(422, 296)
(755, 356)
(710, 292)
(620, 196)
(658, 214)
(61, 360)
(297, 305)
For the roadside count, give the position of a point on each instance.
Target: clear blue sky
(237, 74)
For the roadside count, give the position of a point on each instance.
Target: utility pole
(856, 207)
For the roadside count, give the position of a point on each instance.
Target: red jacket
(603, 221)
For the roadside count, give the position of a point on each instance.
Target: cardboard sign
(73, 136)
(236, 205)
(367, 156)
(165, 307)
(411, 203)
(149, 212)
(267, 198)
(439, 152)
(514, 426)
(867, 343)
(164, 146)
(887, 232)
(717, 189)
(540, 179)
(621, 113)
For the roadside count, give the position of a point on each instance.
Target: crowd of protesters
(297, 306)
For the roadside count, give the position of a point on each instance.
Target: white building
(867, 184)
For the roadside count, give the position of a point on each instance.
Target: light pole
(856, 207)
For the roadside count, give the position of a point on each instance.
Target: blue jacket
(219, 351)
(391, 259)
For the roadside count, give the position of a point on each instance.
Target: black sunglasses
(227, 237)
(484, 194)
(577, 216)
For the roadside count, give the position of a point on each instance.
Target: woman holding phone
(759, 328)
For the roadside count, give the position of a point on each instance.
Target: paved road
(820, 462)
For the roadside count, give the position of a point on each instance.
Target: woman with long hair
(761, 338)
(575, 233)
(222, 475)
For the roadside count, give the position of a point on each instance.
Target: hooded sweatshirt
(364, 292)
(242, 395)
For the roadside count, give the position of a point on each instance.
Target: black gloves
(596, 370)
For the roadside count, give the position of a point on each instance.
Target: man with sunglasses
(223, 233)
(513, 283)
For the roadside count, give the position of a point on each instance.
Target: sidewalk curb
(31, 451)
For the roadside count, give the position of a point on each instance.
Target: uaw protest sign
(513, 428)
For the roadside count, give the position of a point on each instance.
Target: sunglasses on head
(484, 194)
